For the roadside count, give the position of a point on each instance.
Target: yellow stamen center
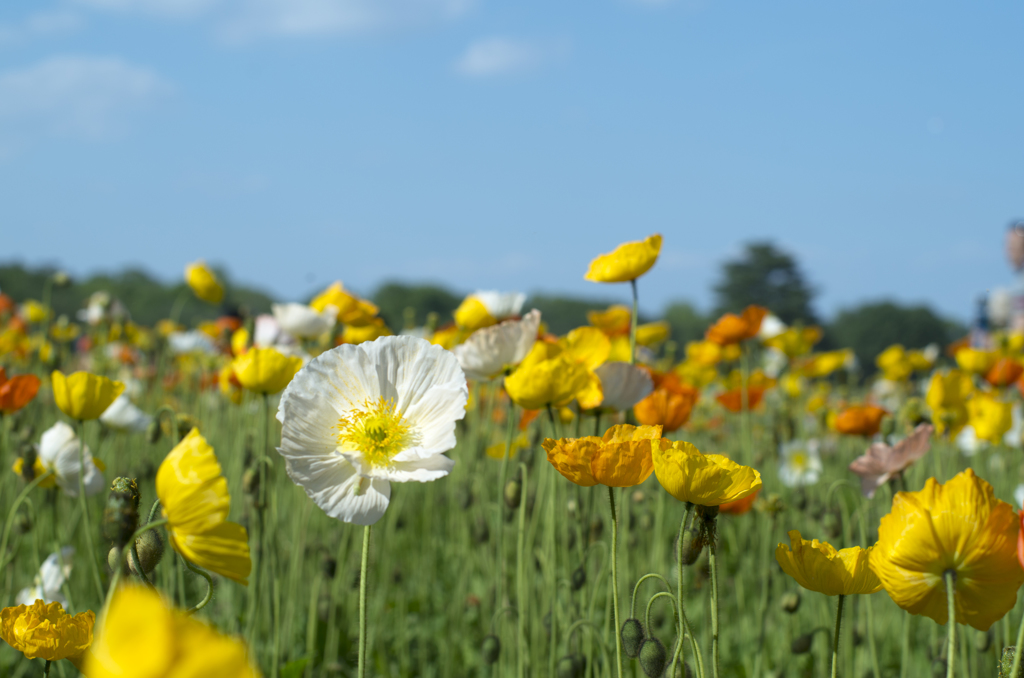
(376, 430)
(798, 460)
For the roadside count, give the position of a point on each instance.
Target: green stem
(90, 547)
(835, 638)
(680, 654)
(362, 602)
(500, 528)
(521, 600)
(647, 612)
(1015, 669)
(46, 669)
(13, 512)
(766, 573)
(950, 578)
(209, 587)
(636, 589)
(615, 578)
(311, 623)
(632, 342)
(713, 564)
(747, 442)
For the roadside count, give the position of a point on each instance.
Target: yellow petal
(84, 396)
(627, 262)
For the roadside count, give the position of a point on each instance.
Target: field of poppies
(308, 493)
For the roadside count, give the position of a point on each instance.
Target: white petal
(303, 321)
(53, 440)
(334, 486)
(193, 341)
(123, 414)
(418, 470)
(624, 385)
(501, 305)
(487, 351)
(56, 569)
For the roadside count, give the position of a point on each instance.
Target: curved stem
(650, 602)
(950, 578)
(835, 638)
(14, 510)
(1015, 669)
(680, 653)
(209, 587)
(641, 580)
(615, 580)
(362, 602)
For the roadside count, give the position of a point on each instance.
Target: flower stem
(762, 615)
(90, 547)
(209, 588)
(521, 602)
(615, 577)
(746, 441)
(46, 669)
(500, 527)
(835, 638)
(680, 655)
(362, 602)
(1015, 669)
(632, 349)
(13, 512)
(713, 564)
(950, 578)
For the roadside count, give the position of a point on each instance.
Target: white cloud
(79, 96)
(499, 56)
(39, 25)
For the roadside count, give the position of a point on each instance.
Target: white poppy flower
(969, 442)
(501, 304)
(58, 452)
(304, 321)
(489, 350)
(46, 587)
(771, 327)
(1018, 496)
(125, 416)
(361, 416)
(1013, 437)
(800, 463)
(624, 385)
(193, 341)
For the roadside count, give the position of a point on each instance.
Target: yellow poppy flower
(47, 632)
(448, 337)
(795, 341)
(488, 307)
(894, 362)
(650, 334)
(548, 377)
(34, 312)
(204, 282)
(587, 345)
(990, 417)
(195, 500)
(620, 458)
(144, 637)
(265, 370)
(818, 566)
(627, 262)
(696, 374)
(83, 395)
(975, 360)
(703, 479)
(824, 364)
(357, 334)
(959, 526)
(473, 315)
(613, 321)
(947, 397)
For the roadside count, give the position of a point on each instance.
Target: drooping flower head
(490, 350)
(17, 391)
(265, 370)
(484, 308)
(732, 328)
(83, 395)
(359, 417)
(818, 566)
(703, 479)
(626, 262)
(620, 458)
(203, 282)
(860, 420)
(194, 495)
(881, 462)
(45, 631)
(959, 527)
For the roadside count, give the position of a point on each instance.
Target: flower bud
(790, 602)
(1006, 663)
(121, 515)
(632, 637)
(579, 578)
(153, 432)
(983, 641)
(329, 566)
(491, 649)
(114, 558)
(28, 463)
(683, 670)
(513, 493)
(566, 667)
(653, 658)
(802, 645)
(251, 482)
(150, 547)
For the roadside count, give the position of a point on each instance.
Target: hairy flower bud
(653, 658)
(150, 547)
(513, 493)
(491, 649)
(121, 515)
(802, 645)
(579, 578)
(790, 602)
(632, 637)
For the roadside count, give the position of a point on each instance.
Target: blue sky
(503, 145)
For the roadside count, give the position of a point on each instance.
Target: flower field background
(752, 441)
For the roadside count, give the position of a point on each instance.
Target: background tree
(687, 322)
(769, 277)
(393, 298)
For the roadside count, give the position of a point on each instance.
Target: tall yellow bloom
(703, 479)
(547, 376)
(620, 458)
(195, 500)
(795, 341)
(627, 262)
(947, 397)
(265, 370)
(204, 282)
(47, 632)
(614, 321)
(83, 395)
(959, 527)
(144, 637)
(990, 417)
(818, 566)
(975, 360)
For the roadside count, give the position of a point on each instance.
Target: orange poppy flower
(6, 304)
(17, 392)
(740, 506)
(1004, 372)
(669, 404)
(860, 420)
(732, 399)
(527, 417)
(620, 458)
(732, 328)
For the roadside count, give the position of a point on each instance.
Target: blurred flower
(975, 360)
(265, 370)
(47, 585)
(989, 416)
(704, 479)
(124, 415)
(795, 341)
(489, 351)
(706, 353)
(824, 364)
(1004, 372)
(194, 495)
(229, 384)
(740, 506)
(800, 462)
(192, 341)
(880, 462)
(732, 328)
(614, 321)
(860, 420)
(1015, 436)
(17, 391)
(34, 312)
(894, 364)
(357, 334)
(96, 307)
(626, 262)
(817, 566)
(497, 450)
(548, 376)
(357, 418)
(620, 458)
(771, 327)
(82, 395)
(166, 327)
(670, 403)
(203, 282)
(304, 321)
(1018, 495)
(959, 527)
(351, 310)
(623, 385)
(947, 397)
(651, 334)
(59, 450)
(45, 631)
(968, 442)
(142, 636)
(484, 308)
(732, 399)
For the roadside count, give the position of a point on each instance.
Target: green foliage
(564, 313)
(768, 277)
(394, 298)
(688, 323)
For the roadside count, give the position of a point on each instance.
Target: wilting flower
(990, 417)
(818, 566)
(17, 391)
(623, 385)
(59, 451)
(358, 418)
(732, 328)
(490, 350)
(142, 636)
(704, 479)
(959, 527)
(881, 462)
(194, 495)
(621, 458)
(548, 376)
(626, 262)
(860, 420)
(204, 282)
(265, 370)
(484, 308)
(975, 360)
(47, 585)
(304, 321)
(45, 631)
(947, 397)
(670, 403)
(124, 415)
(83, 395)
(1004, 372)
(800, 463)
